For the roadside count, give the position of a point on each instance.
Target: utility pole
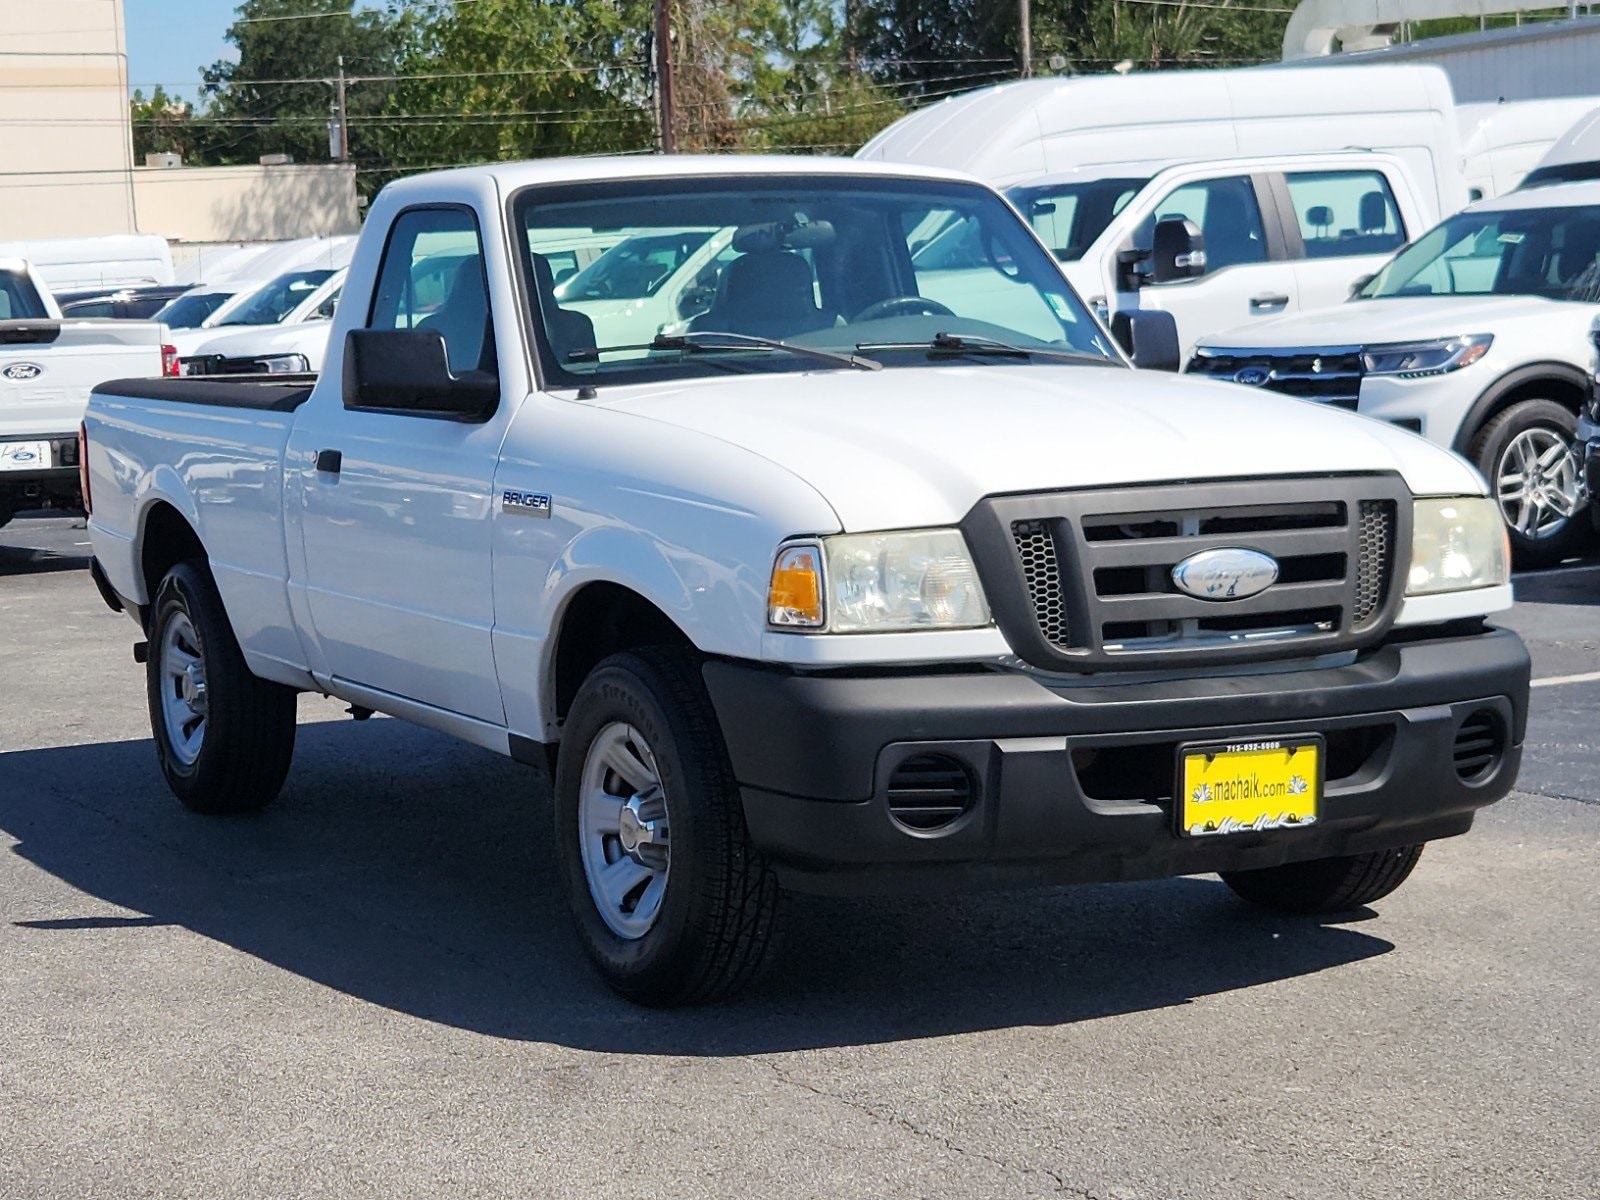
(344, 116)
(664, 100)
(1026, 39)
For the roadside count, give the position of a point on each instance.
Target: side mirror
(1150, 338)
(1178, 251)
(696, 300)
(1362, 282)
(408, 371)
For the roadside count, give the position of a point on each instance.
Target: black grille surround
(1106, 600)
(1326, 374)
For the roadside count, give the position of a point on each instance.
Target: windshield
(1068, 217)
(634, 268)
(191, 309)
(826, 262)
(1549, 252)
(277, 299)
(19, 300)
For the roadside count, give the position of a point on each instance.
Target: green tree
(164, 124)
(278, 98)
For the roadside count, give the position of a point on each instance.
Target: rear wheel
(1527, 455)
(1325, 885)
(671, 900)
(223, 736)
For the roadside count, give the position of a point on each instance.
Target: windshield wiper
(963, 343)
(705, 341)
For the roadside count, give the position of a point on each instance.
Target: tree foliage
(438, 84)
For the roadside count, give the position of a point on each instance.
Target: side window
(1344, 213)
(432, 278)
(325, 309)
(1227, 214)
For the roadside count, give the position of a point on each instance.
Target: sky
(169, 41)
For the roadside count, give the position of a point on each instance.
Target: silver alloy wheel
(183, 689)
(623, 830)
(1539, 485)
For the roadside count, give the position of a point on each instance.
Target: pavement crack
(923, 1133)
(1588, 800)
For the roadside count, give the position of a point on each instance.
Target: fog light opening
(928, 793)
(1480, 746)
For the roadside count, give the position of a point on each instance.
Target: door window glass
(1227, 214)
(432, 278)
(1345, 213)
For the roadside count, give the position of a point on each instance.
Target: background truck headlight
(1457, 544)
(1417, 360)
(878, 583)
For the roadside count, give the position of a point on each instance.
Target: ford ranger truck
(842, 588)
(47, 366)
(1479, 336)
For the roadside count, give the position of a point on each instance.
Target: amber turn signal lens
(794, 598)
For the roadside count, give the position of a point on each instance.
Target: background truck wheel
(1526, 455)
(1325, 885)
(223, 737)
(670, 899)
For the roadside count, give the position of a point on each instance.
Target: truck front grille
(1087, 577)
(1329, 375)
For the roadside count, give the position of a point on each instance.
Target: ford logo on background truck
(23, 371)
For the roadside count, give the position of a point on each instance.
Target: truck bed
(263, 393)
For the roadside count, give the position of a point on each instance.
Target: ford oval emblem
(1226, 574)
(1252, 376)
(23, 370)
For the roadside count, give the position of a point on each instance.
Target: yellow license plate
(1249, 787)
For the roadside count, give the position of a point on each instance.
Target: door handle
(329, 461)
(1269, 301)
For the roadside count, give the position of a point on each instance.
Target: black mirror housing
(1149, 337)
(408, 371)
(1178, 251)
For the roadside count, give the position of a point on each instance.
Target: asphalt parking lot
(371, 990)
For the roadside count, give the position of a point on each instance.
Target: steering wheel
(902, 306)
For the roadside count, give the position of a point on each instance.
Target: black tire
(1489, 446)
(248, 731)
(1326, 885)
(719, 907)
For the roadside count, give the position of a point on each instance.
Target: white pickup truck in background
(847, 588)
(47, 368)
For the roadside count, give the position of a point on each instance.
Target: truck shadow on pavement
(414, 872)
(29, 560)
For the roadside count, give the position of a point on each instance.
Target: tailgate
(47, 369)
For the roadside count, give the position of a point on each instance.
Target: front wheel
(1326, 885)
(671, 901)
(224, 737)
(1526, 453)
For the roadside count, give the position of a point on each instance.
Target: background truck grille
(1093, 571)
(1330, 376)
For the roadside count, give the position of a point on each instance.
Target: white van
(113, 261)
(1258, 162)
(1501, 143)
(1574, 158)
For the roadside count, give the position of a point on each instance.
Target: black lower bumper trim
(813, 754)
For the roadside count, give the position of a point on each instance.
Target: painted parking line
(1558, 680)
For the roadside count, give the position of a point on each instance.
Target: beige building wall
(246, 204)
(65, 142)
(66, 148)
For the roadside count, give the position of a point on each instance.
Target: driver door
(1246, 278)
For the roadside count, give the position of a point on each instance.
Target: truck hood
(911, 447)
(1401, 319)
(308, 337)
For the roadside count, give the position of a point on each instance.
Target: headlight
(283, 364)
(1456, 545)
(1416, 360)
(877, 583)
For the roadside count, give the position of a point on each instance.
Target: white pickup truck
(47, 367)
(847, 589)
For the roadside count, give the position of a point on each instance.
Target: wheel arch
(1560, 382)
(601, 618)
(166, 538)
